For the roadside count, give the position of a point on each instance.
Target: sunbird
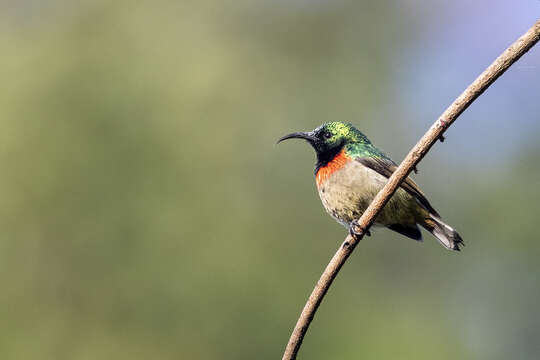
(350, 171)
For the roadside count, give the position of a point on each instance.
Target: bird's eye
(327, 135)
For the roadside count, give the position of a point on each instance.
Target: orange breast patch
(337, 163)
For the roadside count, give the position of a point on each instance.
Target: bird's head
(329, 139)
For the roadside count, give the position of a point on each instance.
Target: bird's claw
(356, 230)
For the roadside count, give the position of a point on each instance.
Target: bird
(350, 171)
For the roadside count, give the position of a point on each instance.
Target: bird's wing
(386, 168)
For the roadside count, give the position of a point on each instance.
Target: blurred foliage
(146, 213)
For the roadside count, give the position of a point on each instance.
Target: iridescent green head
(336, 133)
(330, 138)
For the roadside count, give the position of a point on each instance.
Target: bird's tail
(446, 235)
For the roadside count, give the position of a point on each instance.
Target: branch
(482, 82)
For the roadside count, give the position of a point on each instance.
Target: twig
(496, 69)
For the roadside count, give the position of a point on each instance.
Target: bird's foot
(356, 230)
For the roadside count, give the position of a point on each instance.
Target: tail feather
(446, 235)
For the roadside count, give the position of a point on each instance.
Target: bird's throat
(324, 170)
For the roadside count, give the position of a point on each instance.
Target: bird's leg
(356, 230)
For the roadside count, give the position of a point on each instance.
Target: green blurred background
(146, 213)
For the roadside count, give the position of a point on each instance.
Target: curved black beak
(308, 136)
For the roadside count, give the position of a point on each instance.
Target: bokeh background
(145, 211)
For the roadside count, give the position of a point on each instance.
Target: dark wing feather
(410, 231)
(386, 168)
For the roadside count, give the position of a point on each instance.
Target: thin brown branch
(496, 69)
